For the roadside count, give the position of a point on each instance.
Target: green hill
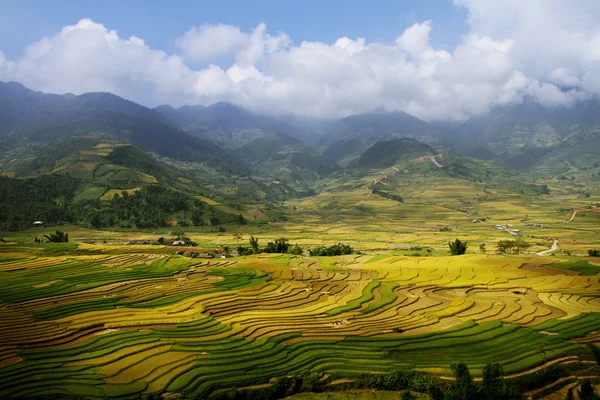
(349, 137)
(388, 153)
(285, 159)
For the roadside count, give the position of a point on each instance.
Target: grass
(581, 266)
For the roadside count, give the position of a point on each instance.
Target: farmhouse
(38, 223)
(178, 243)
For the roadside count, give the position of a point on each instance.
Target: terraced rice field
(134, 324)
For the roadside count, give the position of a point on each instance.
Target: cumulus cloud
(547, 50)
(209, 42)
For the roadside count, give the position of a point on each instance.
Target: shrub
(58, 237)
(335, 250)
(594, 253)
(457, 247)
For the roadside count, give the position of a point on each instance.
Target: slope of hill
(105, 165)
(286, 159)
(41, 118)
(521, 135)
(388, 153)
(230, 126)
(351, 136)
(410, 157)
(101, 183)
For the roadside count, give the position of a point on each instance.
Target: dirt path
(572, 216)
(380, 180)
(431, 158)
(562, 360)
(595, 209)
(530, 394)
(550, 250)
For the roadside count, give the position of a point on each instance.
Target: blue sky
(159, 23)
(434, 59)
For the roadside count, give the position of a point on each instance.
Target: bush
(58, 237)
(335, 250)
(594, 253)
(457, 247)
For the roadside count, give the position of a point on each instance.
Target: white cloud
(548, 50)
(208, 42)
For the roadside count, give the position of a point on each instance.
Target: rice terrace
(316, 200)
(96, 317)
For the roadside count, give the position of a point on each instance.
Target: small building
(219, 255)
(234, 253)
(203, 255)
(178, 243)
(38, 223)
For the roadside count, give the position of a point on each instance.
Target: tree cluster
(492, 386)
(594, 253)
(515, 246)
(335, 250)
(52, 199)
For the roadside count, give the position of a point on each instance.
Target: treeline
(47, 198)
(150, 207)
(387, 195)
(50, 199)
(282, 246)
(492, 386)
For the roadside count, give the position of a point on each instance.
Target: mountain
(285, 159)
(412, 157)
(230, 126)
(351, 136)
(28, 117)
(388, 153)
(105, 163)
(101, 183)
(522, 135)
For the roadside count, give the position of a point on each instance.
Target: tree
(570, 395)
(463, 388)
(595, 353)
(594, 253)
(58, 237)
(504, 246)
(282, 245)
(482, 248)
(197, 217)
(493, 386)
(520, 245)
(237, 236)
(407, 395)
(457, 247)
(587, 391)
(435, 393)
(254, 245)
(297, 250)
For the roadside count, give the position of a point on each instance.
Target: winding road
(551, 249)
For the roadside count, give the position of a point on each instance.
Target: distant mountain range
(29, 117)
(247, 160)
